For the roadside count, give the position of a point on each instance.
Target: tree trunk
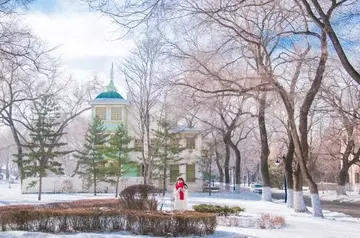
(149, 154)
(218, 164)
(237, 163)
(20, 164)
(118, 178)
(303, 147)
(342, 176)
(117, 186)
(266, 194)
(289, 158)
(19, 151)
(94, 181)
(7, 166)
(226, 165)
(145, 172)
(341, 180)
(40, 186)
(299, 203)
(164, 180)
(146, 167)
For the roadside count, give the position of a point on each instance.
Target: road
(352, 209)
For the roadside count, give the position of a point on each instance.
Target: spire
(112, 72)
(111, 87)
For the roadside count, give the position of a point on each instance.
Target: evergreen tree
(166, 150)
(117, 152)
(44, 145)
(91, 160)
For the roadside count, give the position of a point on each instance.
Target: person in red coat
(180, 195)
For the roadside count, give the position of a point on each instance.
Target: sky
(85, 40)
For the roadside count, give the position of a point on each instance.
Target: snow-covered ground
(297, 225)
(350, 197)
(330, 195)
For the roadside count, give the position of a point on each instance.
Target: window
(190, 143)
(174, 172)
(357, 178)
(100, 112)
(138, 145)
(190, 173)
(116, 114)
(176, 142)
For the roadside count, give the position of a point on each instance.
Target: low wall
(66, 184)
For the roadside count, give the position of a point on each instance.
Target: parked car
(256, 188)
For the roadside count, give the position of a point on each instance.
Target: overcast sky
(86, 40)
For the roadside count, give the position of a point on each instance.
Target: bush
(140, 197)
(267, 221)
(88, 203)
(100, 220)
(219, 210)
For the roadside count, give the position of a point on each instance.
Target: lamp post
(210, 160)
(234, 177)
(277, 162)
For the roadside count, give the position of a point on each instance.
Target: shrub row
(219, 210)
(86, 204)
(100, 220)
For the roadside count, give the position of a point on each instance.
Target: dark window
(190, 173)
(174, 172)
(357, 178)
(190, 143)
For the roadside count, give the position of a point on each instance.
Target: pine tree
(166, 150)
(117, 152)
(91, 160)
(44, 145)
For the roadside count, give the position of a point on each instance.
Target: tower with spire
(112, 109)
(110, 106)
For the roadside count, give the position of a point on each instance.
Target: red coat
(181, 193)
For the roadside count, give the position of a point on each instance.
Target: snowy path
(298, 225)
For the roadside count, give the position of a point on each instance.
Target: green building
(112, 109)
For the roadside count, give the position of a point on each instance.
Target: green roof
(111, 91)
(109, 95)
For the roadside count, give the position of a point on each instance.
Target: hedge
(88, 203)
(108, 219)
(219, 210)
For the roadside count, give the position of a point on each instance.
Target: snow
(297, 224)
(351, 197)
(331, 195)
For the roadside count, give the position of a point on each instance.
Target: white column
(182, 170)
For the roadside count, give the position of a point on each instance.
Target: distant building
(113, 109)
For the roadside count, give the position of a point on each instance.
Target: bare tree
(343, 99)
(141, 72)
(322, 13)
(266, 195)
(245, 34)
(23, 93)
